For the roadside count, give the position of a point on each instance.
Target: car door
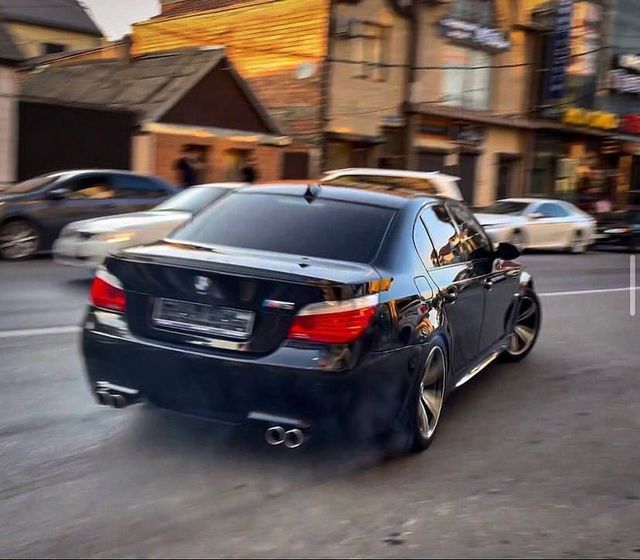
(87, 196)
(459, 285)
(551, 226)
(500, 282)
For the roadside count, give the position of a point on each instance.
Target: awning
(213, 132)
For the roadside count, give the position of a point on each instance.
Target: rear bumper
(366, 400)
(69, 251)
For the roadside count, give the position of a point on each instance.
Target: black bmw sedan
(308, 309)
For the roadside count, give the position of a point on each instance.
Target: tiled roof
(147, 85)
(191, 6)
(61, 14)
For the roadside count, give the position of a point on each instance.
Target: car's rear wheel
(19, 239)
(428, 400)
(578, 243)
(526, 328)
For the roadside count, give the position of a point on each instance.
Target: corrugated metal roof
(61, 14)
(147, 85)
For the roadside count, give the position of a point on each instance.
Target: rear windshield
(289, 224)
(193, 199)
(415, 185)
(506, 207)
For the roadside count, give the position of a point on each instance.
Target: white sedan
(533, 223)
(88, 242)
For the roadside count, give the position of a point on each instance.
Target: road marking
(585, 292)
(632, 285)
(37, 332)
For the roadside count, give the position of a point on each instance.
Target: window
(131, 186)
(53, 48)
(551, 210)
(467, 79)
(473, 239)
(370, 46)
(30, 185)
(506, 207)
(193, 199)
(446, 247)
(325, 228)
(424, 247)
(476, 11)
(97, 187)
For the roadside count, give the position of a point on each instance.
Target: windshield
(193, 199)
(506, 207)
(31, 185)
(328, 229)
(383, 183)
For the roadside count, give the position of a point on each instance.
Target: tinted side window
(423, 244)
(473, 239)
(130, 186)
(90, 186)
(444, 236)
(551, 210)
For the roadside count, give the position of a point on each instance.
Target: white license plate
(203, 319)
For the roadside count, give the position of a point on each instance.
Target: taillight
(334, 322)
(107, 292)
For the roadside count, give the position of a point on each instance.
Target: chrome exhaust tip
(275, 435)
(293, 438)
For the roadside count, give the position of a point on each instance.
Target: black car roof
(345, 194)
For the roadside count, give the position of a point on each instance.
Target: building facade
(49, 29)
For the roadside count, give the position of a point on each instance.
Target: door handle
(450, 295)
(487, 283)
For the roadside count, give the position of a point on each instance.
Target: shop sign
(474, 34)
(630, 124)
(625, 78)
(560, 50)
(593, 119)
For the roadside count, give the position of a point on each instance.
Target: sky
(115, 16)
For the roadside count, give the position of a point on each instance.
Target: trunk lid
(254, 295)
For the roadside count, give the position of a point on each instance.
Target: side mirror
(59, 193)
(507, 252)
(536, 215)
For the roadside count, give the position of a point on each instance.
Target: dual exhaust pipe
(276, 435)
(115, 396)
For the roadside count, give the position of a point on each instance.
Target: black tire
(516, 353)
(19, 240)
(517, 240)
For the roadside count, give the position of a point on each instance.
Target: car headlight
(117, 237)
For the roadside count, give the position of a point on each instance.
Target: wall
(268, 43)
(73, 138)
(29, 38)
(168, 149)
(217, 101)
(8, 124)
(359, 105)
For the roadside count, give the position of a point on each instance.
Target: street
(538, 459)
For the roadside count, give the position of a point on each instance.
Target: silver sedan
(534, 223)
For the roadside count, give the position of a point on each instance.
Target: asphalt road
(540, 459)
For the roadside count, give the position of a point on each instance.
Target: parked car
(33, 213)
(621, 229)
(338, 310)
(533, 223)
(87, 242)
(395, 181)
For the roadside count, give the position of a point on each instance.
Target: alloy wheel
(526, 327)
(431, 393)
(18, 240)
(579, 244)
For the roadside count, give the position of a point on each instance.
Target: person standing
(187, 167)
(249, 173)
